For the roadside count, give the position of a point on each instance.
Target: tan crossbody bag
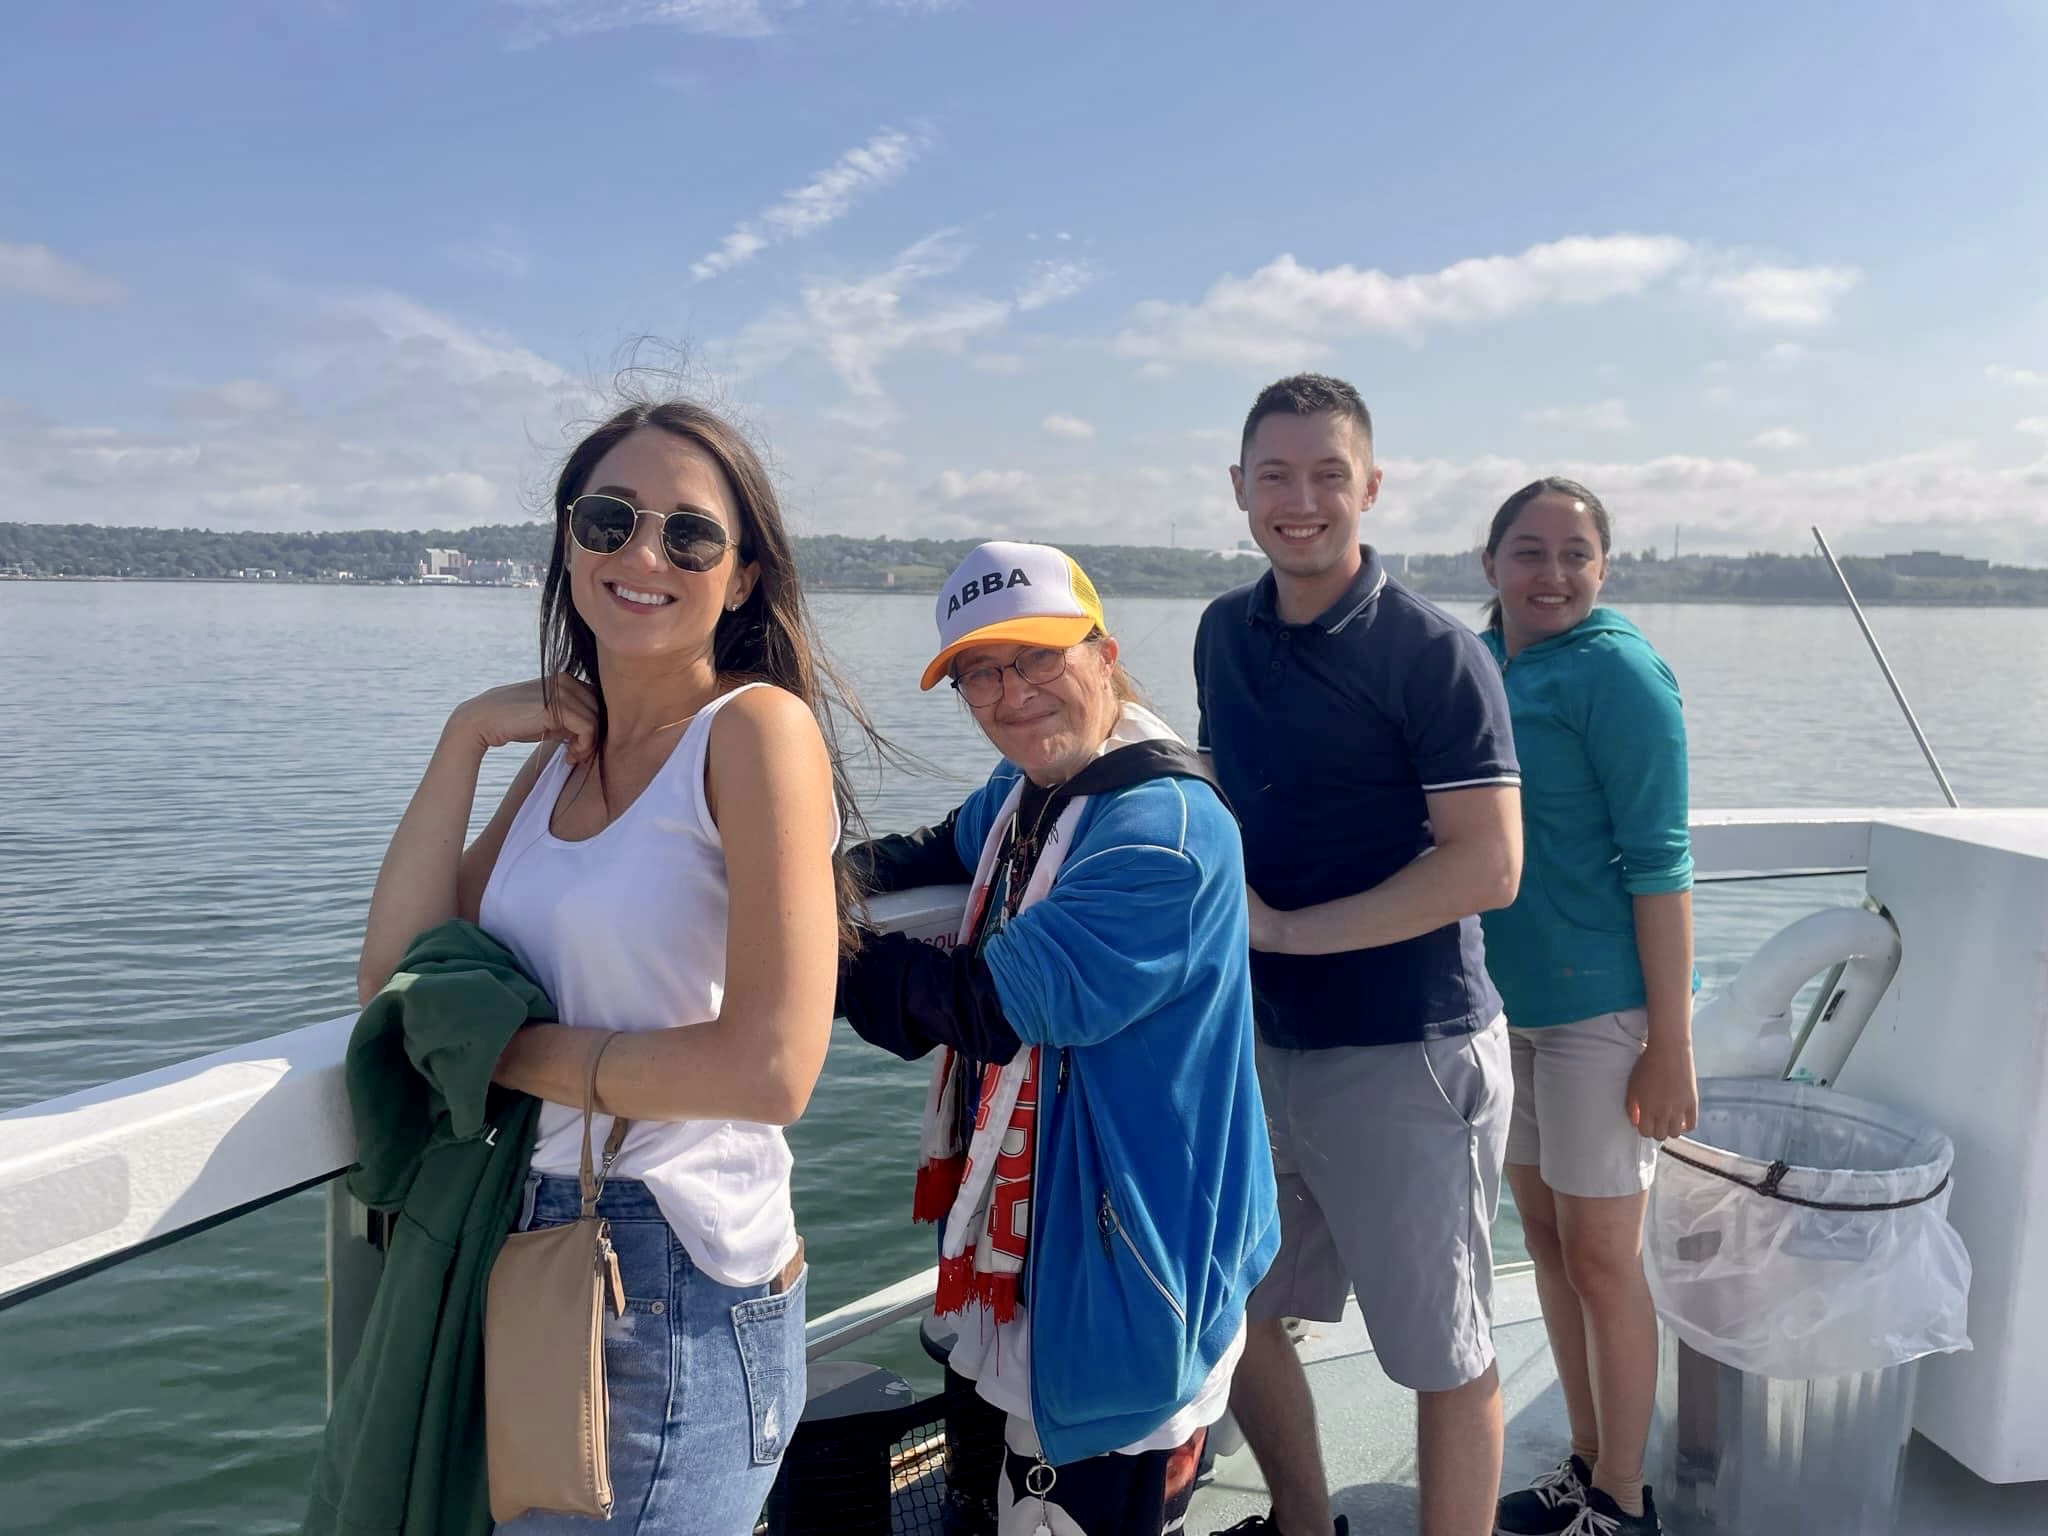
(547, 1415)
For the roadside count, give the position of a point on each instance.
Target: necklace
(1023, 847)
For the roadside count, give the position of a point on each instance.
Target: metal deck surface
(1368, 1437)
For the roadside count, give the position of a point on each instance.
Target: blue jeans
(706, 1380)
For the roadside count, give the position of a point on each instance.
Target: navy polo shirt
(1326, 736)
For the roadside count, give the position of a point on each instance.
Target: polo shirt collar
(1365, 588)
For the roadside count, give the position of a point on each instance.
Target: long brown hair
(769, 638)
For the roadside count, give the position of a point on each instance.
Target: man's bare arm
(1476, 866)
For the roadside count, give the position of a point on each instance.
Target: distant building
(499, 573)
(445, 563)
(1930, 562)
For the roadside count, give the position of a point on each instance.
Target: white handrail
(95, 1177)
(98, 1176)
(907, 1298)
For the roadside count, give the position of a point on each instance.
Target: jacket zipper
(1107, 1222)
(1038, 1142)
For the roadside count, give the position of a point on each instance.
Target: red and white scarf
(982, 1192)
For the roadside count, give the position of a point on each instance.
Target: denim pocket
(770, 1332)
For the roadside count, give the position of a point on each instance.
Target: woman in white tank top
(664, 865)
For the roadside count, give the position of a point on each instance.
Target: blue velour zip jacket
(1153, 1208)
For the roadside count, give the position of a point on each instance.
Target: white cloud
(1946, 497)
(498, 252)
(547, 20)
(1785, 354)
(1067, 426)
(1287, 313)
(37, 272)
(2033, 426)
(1601, 416)
(737, 248)
(425, 341)
(955, 486)
(1797, 297)
(999, 362)
(1138, 504)
(822, 200)
(235, 400)
(2026, 378)
(856, 327)
(378, 413)
(1778, 438)
(1052, 281)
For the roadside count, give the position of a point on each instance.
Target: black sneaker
(1548, 1506)
(1603, 1517)
(1262, 1525)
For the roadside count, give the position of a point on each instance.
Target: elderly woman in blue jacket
(1093, 1148)
(1594, 962)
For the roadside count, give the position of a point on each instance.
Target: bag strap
(592, 1183)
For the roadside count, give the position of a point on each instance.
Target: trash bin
(1799, 1252)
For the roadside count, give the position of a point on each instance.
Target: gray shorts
(1571, 1105)
(1388, 1159)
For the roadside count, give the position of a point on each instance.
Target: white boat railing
(97, 1177)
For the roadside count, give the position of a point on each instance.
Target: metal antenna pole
(1885, 667)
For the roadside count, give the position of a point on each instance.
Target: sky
(986, 268)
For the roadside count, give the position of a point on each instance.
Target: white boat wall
(1957, 1037)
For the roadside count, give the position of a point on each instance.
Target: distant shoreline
(517, 554)
(1481, 595)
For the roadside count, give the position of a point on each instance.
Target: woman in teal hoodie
(1594, 962)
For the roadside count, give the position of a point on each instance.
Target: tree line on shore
(842, 562)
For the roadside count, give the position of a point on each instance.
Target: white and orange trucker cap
(1013, 594)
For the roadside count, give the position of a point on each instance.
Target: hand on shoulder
(539, 709)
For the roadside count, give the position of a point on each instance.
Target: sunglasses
(693, 541)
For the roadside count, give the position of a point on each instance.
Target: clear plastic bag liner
(1813, 1237)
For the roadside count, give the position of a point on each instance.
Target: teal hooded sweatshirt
(1601, 738)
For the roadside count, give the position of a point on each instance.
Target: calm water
(198, 785)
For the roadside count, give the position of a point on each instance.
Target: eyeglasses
(693, 541)
(982, 686)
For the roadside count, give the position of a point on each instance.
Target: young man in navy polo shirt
(1362, 736)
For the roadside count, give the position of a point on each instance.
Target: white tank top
(626, 930)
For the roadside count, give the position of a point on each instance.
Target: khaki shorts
(1571, 1105)
(1388, 1159)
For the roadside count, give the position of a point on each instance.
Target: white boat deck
(1368, 1437)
